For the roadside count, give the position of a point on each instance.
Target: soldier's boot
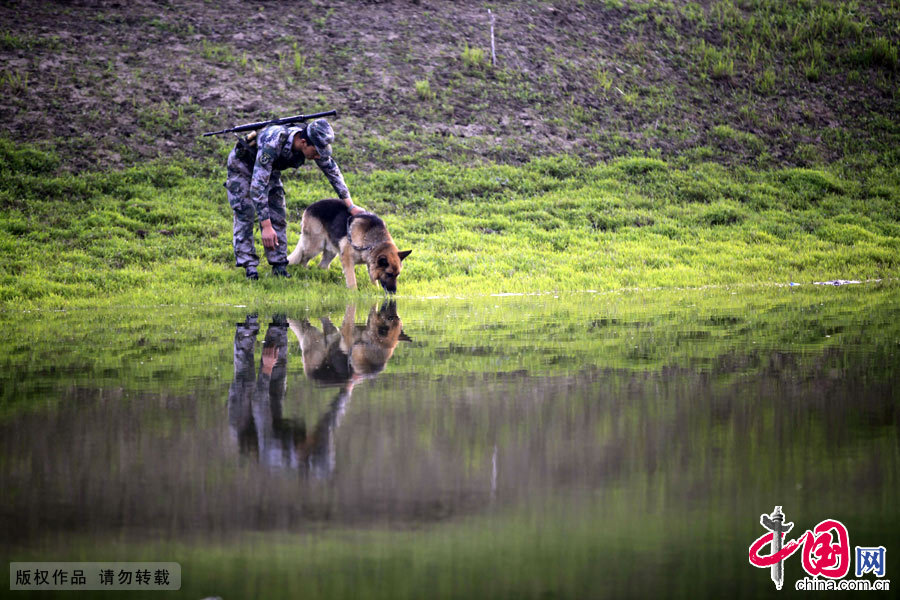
(251, 273)
(280, 271)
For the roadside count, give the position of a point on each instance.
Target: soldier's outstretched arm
(259, 183)
(333, 173)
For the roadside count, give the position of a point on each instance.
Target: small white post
(493, 53)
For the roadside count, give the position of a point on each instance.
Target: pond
(578, 445)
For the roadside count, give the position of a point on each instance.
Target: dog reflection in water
(352, 353)
(338, 357)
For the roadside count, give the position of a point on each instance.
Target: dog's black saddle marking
(333, 214)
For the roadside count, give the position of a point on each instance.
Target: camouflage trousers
(237, 186)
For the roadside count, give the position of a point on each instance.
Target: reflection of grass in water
(167, 349)
(517, 558)
(617, 545)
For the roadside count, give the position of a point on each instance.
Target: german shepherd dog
(329, 228)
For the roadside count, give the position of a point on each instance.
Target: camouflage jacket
(274, 153)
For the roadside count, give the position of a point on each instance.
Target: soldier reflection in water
(330, 357)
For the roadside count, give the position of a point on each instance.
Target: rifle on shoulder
(282, 121)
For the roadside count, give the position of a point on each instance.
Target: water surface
(587, 445)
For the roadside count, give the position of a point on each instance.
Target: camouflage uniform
(254, 187)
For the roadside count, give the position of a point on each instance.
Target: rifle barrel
(282, 121)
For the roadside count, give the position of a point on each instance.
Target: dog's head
(385, 265)
(375, 343)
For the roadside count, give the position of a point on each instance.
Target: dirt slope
(110, 83)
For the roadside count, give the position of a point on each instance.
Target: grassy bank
(161, 233)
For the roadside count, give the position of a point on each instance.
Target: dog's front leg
(347, 263)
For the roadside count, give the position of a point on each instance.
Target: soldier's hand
(356, 210)
(269, 356)
(269, 237)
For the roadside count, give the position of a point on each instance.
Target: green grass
(299, 61)
(765, 81)
(14, 81)
(11, 40)
(880, 52)
(747, 142)
(423, 90)
(473, 58)
(603, 78)
(161, 233)
(217, 52)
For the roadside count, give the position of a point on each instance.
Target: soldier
(254, 187)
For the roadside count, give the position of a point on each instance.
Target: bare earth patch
(111, 83)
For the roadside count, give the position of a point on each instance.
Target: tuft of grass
(765, 82)
(298, 59)
(169, 27)
(423, 90)
(13, 41)
(722, 213)
(14, 81)
(163, 116)
(812, 60)
(217, 52)
(718, 63)
(723, 68)
(812, 72)
(10, 40)
(473, 58)
(603, 79)
(879, 52)
(742, 139)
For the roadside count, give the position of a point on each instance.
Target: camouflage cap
(321, 135)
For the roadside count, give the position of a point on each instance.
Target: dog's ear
(403, 254)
